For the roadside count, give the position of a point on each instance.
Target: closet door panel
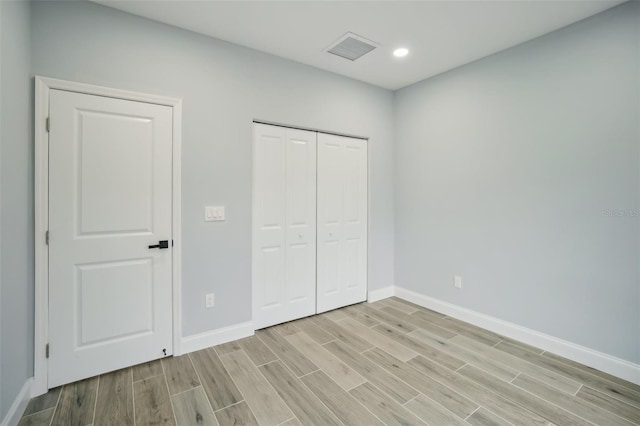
(268, 218)
(342, 221)
(284, 243)
(355, 183)
(301, 221)
(272, 261)
(352, 260)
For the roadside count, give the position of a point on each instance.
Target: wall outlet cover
(209, 300)
(457, 281)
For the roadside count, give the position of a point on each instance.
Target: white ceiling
(441, 35)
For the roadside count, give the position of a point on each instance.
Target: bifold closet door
(342, 222)
(284, 224)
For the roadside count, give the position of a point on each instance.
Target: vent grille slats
(351, 46)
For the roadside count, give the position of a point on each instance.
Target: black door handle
(163, 244)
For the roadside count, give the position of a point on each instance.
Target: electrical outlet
(209, 301)
(457, 281)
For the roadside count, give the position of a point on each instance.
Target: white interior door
(342, 221)
(110, 294)
(284, 224)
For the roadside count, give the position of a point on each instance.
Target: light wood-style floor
(390, 362)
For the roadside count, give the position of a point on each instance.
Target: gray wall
(223, 87)
(16, 190)
(2, 409)
(508, 171)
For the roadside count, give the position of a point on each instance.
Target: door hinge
(48, 124)
(46, 350)
(46, 237)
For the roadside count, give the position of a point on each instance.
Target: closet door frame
(256, 323)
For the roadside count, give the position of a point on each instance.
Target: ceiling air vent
(351, 46)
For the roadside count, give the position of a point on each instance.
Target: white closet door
(342, 221)
(109, 202)
(284, 224)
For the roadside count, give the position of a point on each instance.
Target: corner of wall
(219, 336)
(18, 406)
(15, 65)
(381, 293)
(0, 214)
(604, 362)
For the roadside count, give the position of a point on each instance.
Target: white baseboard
(216, 337)
(19, 405)
(380, 294)
(609, 364)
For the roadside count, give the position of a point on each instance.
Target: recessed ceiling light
(401, 52)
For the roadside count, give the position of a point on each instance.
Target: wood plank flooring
(389, 362)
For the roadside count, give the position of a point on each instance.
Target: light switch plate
(214, 213)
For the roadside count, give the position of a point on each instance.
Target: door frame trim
(43, 87)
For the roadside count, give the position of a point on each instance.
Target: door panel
(331, 266)
(342, 221)
(273, 267)
(100, 153)
(110, 176)
(271, 160)
(94, 280)
(284, 205)
(297, 271)
(299, 172)
(352, 260)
